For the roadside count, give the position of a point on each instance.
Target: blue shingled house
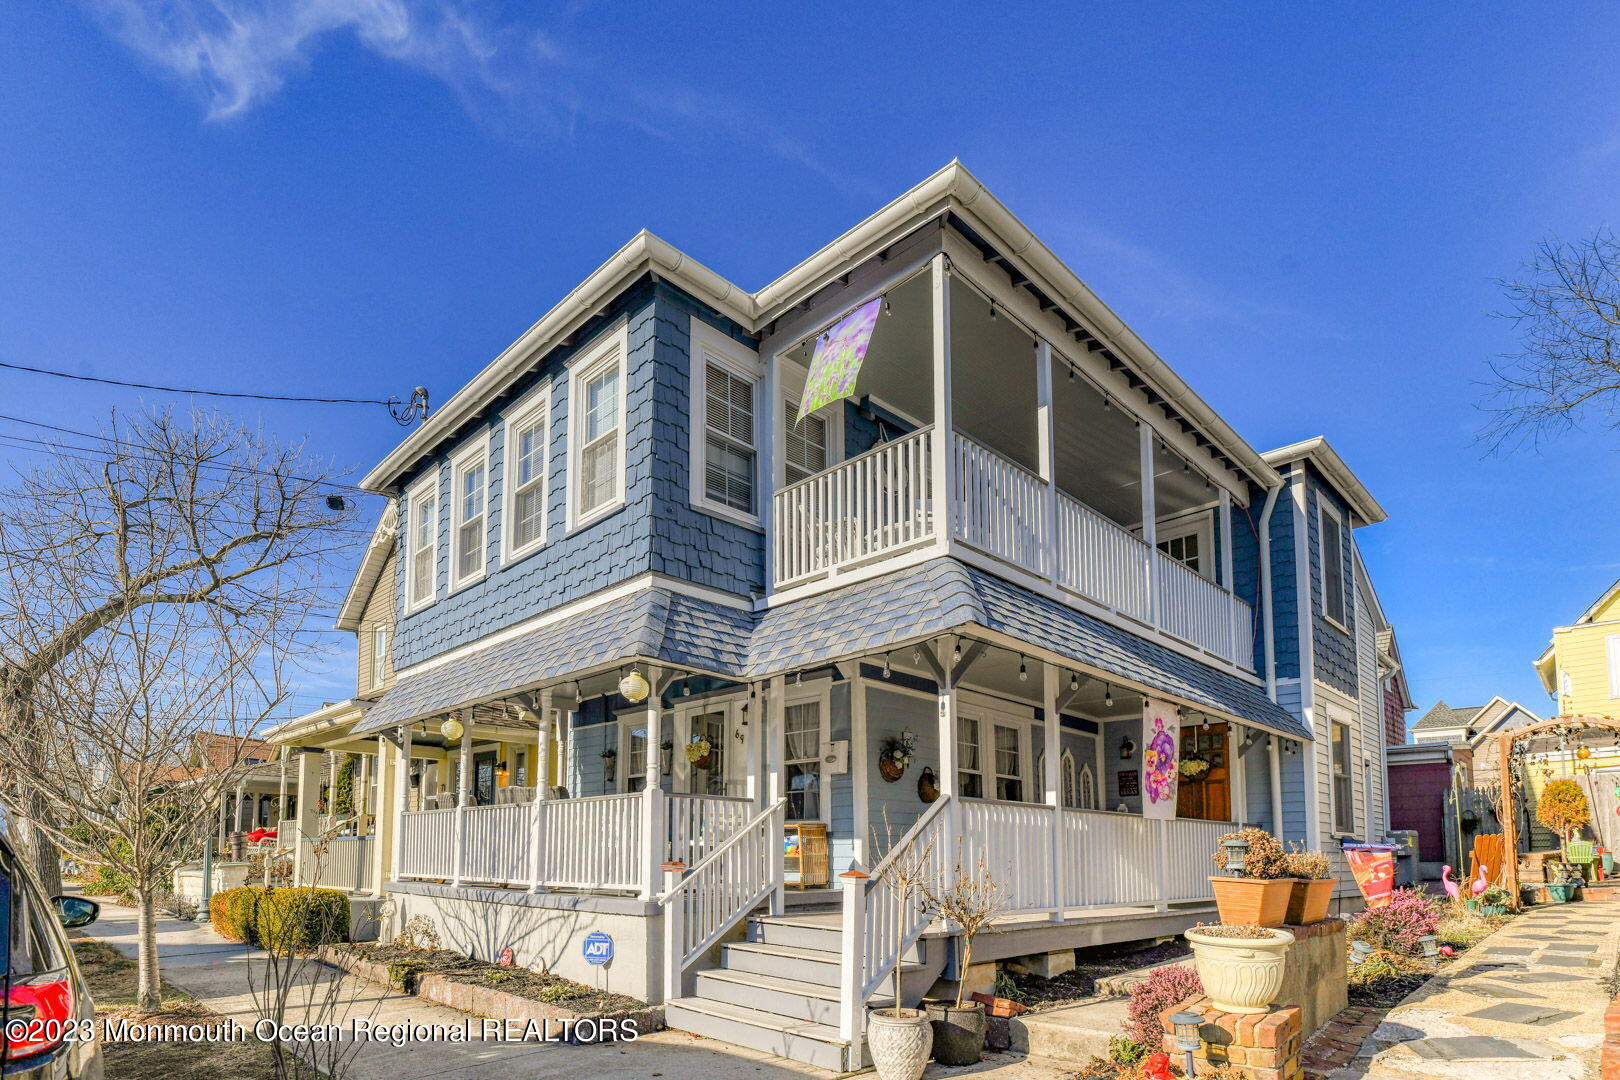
(668, 662)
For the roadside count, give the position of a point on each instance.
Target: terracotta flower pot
(1308, 901)
(1240, 975)
(958, 1032)
(1252, 901)
(899, 1044)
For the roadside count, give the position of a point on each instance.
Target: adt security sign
(598, 948)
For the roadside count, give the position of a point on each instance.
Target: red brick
(1272, 1030)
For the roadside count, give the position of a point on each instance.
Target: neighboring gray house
(653, 628)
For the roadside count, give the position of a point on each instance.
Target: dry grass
(110, 975)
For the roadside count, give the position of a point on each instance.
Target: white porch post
(770, 419)
(949, 765)
(1274, 753)
(754, 780)
(653, 826)
(385, 821)
(362, 797)
(1234, 751)
(1150, 520)
(241, 797)
(308, 817)
(851, 1012)
(776, 780)
(402, 787)
(281, 789)
(1052, 730)
(944, 484)
(463, 789)
(1046, 436)
(858, 762)
(540, 773)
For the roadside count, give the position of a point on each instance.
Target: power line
(403, 412)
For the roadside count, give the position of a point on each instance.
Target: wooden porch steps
(778, 992)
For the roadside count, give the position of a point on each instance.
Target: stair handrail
(681, 883)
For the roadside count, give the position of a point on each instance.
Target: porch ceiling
(937, 597)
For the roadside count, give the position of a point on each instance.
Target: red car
(49, 1021)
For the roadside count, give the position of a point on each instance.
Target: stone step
(1073, 1034)
(797, 1040)
(818, 966)
(810, 1002)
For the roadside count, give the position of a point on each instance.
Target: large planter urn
(899, 1041)
(1247, 901)
(1240, 974)
(958, 1032)
(1308, 901)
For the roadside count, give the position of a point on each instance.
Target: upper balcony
(1037, 468)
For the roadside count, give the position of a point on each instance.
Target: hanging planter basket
(889, 770)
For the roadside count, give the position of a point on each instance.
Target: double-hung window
(1344, 810)
(379, 654)
(1334, 602)
(802, 724)
(725, 439)
(1009, 764)
(596, 432)
(635, 760)
(525, 502)
(969, 766)
(806, 443)
(470, 492)
(423, 537)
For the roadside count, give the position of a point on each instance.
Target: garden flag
(837, 359)
(1161, 743)
(1374, 868)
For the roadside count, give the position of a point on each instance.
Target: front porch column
(309, 786)
(1046, 435)
(539, 775)
(1232, 628)
(653, 826)
(944, 433)
(1236, 736)
(1274, 753)
(241, 798)
(775, 718)
(385, 823)
(362, 795)
(1053, 733)
(402, 796)
(463, 790)
(949, 757)
(1150, 520)
(281, 789)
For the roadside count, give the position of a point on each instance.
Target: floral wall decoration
(895, 756)
(1161, 740)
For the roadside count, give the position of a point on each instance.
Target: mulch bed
(1079, 985)
(519, 982)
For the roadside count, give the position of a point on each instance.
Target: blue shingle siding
(1285, 585)
(1246, 565)
(686, 542)
(1334, 649)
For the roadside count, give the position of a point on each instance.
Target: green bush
(301, 918)
(107, 881)
(234, 912)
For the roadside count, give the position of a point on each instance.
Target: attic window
(1334, 601)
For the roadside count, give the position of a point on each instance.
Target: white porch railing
(702, 903)
(592, 843)
(495, 844)
(341, 862)
(882, 502)
(698, 824)
(867, 506)
(997, 836)
(427, 844)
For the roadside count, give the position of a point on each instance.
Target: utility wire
(404, 412)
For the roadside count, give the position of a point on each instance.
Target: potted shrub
(972, 900)
(1312, 891)
(1561, 887)
(1257, 892)
(900, 1039)
(1241, 967)
(1494, 901)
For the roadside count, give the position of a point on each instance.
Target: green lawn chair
(1583, 853)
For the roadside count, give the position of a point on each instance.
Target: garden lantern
(1359, 951)
(1236, 849)
(1431, 946)
(1186, 1035)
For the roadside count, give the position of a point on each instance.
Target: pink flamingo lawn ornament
(1452, 890)
(1481, 883)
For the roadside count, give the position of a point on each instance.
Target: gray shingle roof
(919, 602)
(1444, 716)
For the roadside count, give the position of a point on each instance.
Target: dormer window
(470, 493)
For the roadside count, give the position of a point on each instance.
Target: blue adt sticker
(598, 948)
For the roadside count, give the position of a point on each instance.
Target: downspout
(1267, 636)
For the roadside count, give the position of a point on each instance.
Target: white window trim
(381, 658)
(474, 452)
(803, 695)
(1323, 510)
(627, 721)
(614, 348)
(413, 496)
(707, 344)
(1203, 526)
(1349, 775)
(537, 404)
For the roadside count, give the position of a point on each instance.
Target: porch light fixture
(502, 774)
(1236, 849)
(1186, 1025)
(634, 687)
(887, 670)
(1127, 748)
(956, 655)
(1108, 697)
(1023, 670)
(1074, 681)
(451, 729)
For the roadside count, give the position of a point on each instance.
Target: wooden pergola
(1510, 819)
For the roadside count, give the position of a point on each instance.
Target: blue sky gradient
(1305, 213)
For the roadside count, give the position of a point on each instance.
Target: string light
(1074, 681)
(886, 668)
(1023, 670)
(1108, 697)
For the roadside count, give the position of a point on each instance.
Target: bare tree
(116, 719)
(1567, 306)
(156, 513)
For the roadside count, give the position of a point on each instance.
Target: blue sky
(1304, 213)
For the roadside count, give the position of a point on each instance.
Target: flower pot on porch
(1308, 901)
(958, 1032)
(1560, 894)
(1240, 974)
(1252, 901)
(899, 1041)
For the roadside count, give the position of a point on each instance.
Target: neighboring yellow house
(1581, 668)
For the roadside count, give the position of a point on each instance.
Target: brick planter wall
(1263, 1046)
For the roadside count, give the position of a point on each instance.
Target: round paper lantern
(451, 729)
(1584, 752)
(633, 687)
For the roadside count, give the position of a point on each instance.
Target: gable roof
(1484, 719)
(1603, 601)
(1327, 460)
(1441, 715)
(952, 193)
(365, 580)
